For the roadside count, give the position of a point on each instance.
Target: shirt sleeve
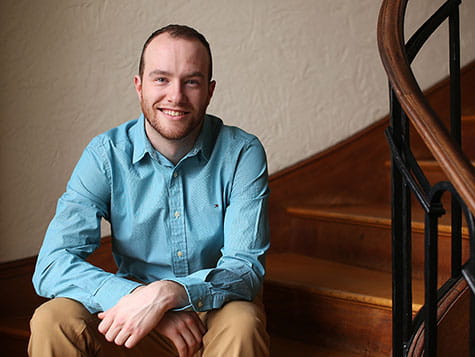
(240, 271)
(74, 233)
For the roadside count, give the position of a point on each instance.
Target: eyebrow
(159, 72)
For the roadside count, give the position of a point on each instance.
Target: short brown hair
(177, 31)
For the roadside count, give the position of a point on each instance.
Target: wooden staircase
(328, 287)
(329, 271)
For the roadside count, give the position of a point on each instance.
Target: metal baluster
(397, 234)
(430, 277)
(456, 133)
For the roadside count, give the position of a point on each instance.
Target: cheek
(152, 93)
(201, 99)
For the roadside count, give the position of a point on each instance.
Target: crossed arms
(129, 310)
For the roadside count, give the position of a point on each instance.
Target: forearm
(232, 279)
(63, 274)
(136, 314)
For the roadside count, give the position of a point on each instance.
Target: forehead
(168, 53)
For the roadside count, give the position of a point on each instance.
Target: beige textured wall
(301, 74)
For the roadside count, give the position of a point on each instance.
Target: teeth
(172, 113)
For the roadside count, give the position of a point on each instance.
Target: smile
(173, 113)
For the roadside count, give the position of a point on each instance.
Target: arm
(239, 272)
(136, 314)
(74, 233)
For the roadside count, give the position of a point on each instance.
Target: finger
(196, 329)
(189, 338)
(104, 325)
(121, 337)
(133, 339)
(112, 333)
(200, 324)
(180, 345)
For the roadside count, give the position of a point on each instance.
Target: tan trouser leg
(238, 329)
(63, 327)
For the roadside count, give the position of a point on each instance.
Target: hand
(184, 329)
(136, 314)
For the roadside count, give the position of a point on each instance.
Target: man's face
(175, 91)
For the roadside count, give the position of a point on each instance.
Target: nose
(176, 94)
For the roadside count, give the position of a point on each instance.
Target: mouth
(173, 113)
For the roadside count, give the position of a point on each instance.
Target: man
(186, 197)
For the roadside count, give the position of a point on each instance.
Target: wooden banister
(391, 45)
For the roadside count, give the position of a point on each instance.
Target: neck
(173, 150)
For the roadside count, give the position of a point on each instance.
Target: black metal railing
(408, 182)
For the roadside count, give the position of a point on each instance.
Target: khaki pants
(63, 327)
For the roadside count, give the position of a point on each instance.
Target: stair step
(336, 280)
(284, 347)
(368, 215)
(421, 152)
(431, 169)
(361, 235)
(324, 303)
(14, 335)
(17, 326)
(429, 165)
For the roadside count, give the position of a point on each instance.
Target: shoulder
(234, 146)
(119, 135)
(121, 138)
(232, 136)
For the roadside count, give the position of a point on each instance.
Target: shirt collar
(142, 145)
(204, 143)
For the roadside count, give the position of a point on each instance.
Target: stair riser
(13, 345)
(421, 151)
(328, 321)
(361, 245)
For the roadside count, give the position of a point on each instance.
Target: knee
(62, 327)
(237, 329)
(243, 319)
(57, 314)
(44, 315)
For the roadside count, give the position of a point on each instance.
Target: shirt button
(175, 174)
(177, 214)
(200, 303)
(179, 253)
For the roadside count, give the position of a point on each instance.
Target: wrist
(170, 294)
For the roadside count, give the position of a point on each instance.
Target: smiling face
(174, 90)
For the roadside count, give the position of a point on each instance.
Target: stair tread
(429, 165)
(335, 279)
(286, 347)
(371, 214)
(15, 325)
(376, 215)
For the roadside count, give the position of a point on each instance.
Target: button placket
(177, 225)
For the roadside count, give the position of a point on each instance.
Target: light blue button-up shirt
(202, 223)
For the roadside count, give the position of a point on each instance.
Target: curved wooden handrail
(392, 51)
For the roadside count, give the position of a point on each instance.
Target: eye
(192, 82)
(160, 80)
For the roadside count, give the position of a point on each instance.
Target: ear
(212, 86)
(138, 86)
